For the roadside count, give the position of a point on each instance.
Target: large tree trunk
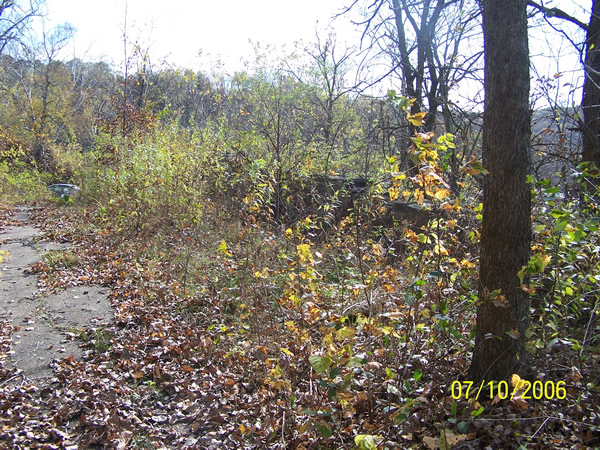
(591, 90)
(503, 307)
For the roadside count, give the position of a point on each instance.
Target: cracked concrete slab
(36, 344)
(14, 283)
(80, 307)
(45, 325)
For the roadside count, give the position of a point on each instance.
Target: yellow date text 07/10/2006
(524, 389)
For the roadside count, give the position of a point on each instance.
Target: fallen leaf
(430, 442)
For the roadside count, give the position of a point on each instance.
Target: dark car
(63, 189)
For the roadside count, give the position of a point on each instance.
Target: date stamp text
(524, 389)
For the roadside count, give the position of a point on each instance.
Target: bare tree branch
(556, 12)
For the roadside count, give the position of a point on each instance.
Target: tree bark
(503, 307)
(591, 90)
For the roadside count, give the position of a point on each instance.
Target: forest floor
(98, 349)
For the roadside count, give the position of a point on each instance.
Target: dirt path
(47, 325)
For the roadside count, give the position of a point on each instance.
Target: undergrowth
(353, 330)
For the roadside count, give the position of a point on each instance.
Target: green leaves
(320, 364)
(400, 101)
(477, 412)
(537, 264)
(325, 431)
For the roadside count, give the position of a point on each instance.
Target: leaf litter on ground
(166, 378)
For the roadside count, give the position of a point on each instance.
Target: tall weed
(20, 184)
(163, 182)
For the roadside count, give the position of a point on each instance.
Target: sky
(215, 36)
(177, 30)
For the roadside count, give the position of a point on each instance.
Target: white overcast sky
(178, 29)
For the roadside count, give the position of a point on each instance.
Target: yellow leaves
(223, 248)
(367, 441)
(262, 274)
(304, 253)
(314, 311)
(411, 235)
(275, 382)
(449, 207)
(286, 351)
(446, 141)
(439, 249)
(419, 196)
(394, 168)
(441, 194)
(345, 333)
(307, 222)
(466, 264)
(416, 119)
(291, 326)
(399, 178)
(515, 381)
(387, 330)
(430, 183)
(394, 194)
(430, 177)
(377, 249)
(357, 288)
(275, 371)
(389, 288)
(296, 301)
(519, 386)
(309, 164)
